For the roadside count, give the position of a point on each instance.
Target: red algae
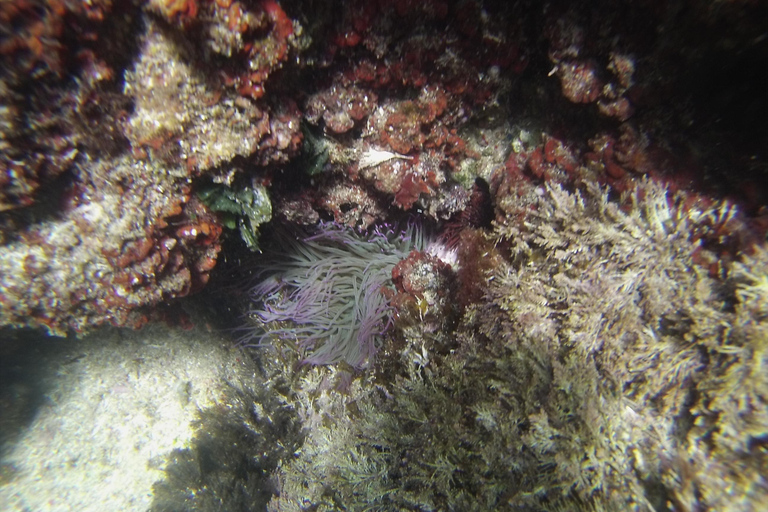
(129, 109)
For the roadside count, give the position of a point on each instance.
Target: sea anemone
(324, 294)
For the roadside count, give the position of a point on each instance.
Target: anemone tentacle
(323, 293)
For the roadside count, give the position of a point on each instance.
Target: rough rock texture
(100, 216)
(157, 419)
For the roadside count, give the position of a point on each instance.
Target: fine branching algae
(604, 371)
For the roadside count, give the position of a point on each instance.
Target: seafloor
(383, 255)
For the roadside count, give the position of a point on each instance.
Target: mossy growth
(229, 462)
(244, 208)
(467, 173)
(604, 371)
